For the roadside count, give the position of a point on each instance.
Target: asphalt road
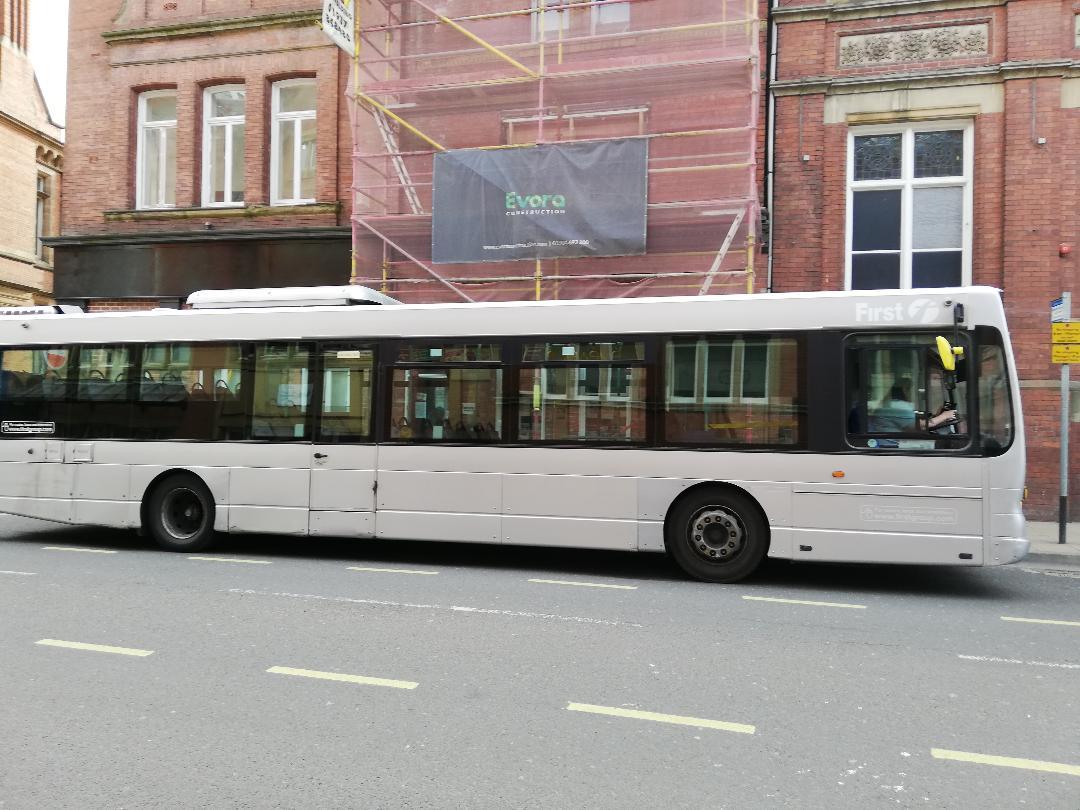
(291, 673)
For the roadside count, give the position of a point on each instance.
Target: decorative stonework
(920, 45)
(1076, 31)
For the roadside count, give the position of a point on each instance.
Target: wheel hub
(182, 514)
(716, 534)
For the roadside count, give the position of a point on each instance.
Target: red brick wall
(107, 77)
(1026, 195)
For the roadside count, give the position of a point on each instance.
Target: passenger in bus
(895, 414)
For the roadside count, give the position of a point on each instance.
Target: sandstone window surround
(909, 205)
(293, 142)
(223, 146)
(155, 151)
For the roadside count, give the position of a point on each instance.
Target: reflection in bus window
(432, 404)
(282, 392)
(346, 397)
(730, 389)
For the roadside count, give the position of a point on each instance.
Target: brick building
(31, 164)
(208, 148)
(935, 142)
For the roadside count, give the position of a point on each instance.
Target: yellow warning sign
(1065, 332)
(1065, 352)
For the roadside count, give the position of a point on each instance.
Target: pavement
(1045, 546)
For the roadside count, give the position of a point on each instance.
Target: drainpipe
(770, 134)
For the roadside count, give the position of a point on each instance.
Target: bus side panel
(582, 511)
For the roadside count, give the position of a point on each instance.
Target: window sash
(288, 190)
(230, 124)
(159, 131)
(907, 184)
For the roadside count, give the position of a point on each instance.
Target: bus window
(995, 407)
(33, 389)
(900, 397)
(447, 393)
(591, 391)
(190, 391)
(733, 390)
(282, 392)
(103, 402)
(346, 396)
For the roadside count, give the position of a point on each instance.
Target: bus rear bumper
(1005, 550)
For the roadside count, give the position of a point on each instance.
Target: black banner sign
(540, 202)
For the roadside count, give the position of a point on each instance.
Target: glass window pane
(33, 387)
(612, 13)
(682, 369)
(896, 389)
(878, 157)
(160, 108)
(938, 215)
(103, 409)
(570, 352)
(237, 191)
(190, 391)
(346, 405)
(296, 97)
(718, 369)
(307, 159)
(876, 220)
(226, 102)
(586, 413)
(432, 404)
(755, 371)
(450, 353)
(282, 392)
(217, 164)
(151, 168)
(875, 271)
(286, 156)
(938, 269)
(939, 154)
(169, 192)
(995, 406)
(769, 410)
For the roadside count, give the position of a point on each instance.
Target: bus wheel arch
(717, 532)
(178, 511)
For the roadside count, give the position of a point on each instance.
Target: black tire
(717, 535)
(180, 514)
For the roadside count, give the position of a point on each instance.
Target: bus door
(343, 452)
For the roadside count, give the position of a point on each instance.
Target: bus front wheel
(717, 535)
(180, 514)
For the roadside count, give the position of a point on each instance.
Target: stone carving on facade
(920, 45)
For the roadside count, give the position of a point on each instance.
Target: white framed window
(223, 146)
(155, 150)
(909, 206)
(611, 16)
(293, 142)
(553, 23)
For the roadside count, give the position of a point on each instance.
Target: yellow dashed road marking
(1006, 762)
(1039, 621)
(584, 584)
(105, 648)
(679, 720)
(393, 571)
(340, 676)
(804, 602)
(84, 550)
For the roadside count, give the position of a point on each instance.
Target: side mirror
(948, 353)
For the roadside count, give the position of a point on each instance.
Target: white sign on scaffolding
(339, 23)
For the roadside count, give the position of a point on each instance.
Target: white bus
(812, 426)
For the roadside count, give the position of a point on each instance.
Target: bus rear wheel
(717, 535)
(180, 514)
